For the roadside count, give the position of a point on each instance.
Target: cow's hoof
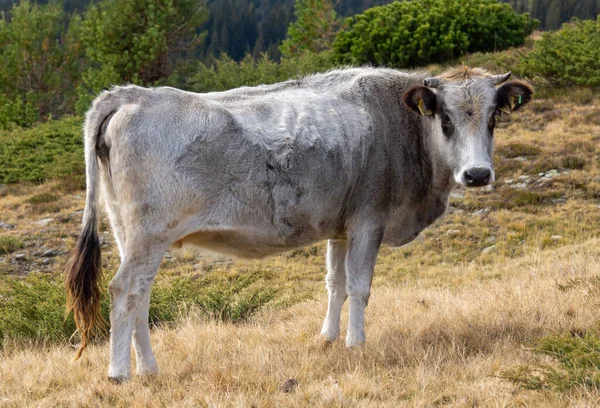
(330, 336)
(149, 372)
(355, 341)
(326, 344)
(118, 380)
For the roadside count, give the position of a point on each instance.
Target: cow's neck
(425, 183)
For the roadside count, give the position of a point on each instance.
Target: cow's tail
(83, 275)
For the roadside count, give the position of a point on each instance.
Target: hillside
(455, 318)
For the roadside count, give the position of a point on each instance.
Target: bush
(53, 149)
(578, 364)
(32, 309)
(412, 33)
(569, 56)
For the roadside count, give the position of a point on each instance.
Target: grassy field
(494, 305)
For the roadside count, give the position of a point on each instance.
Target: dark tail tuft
(82, 282)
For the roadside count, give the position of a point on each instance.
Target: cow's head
(463, 105)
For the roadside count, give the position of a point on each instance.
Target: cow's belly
(245, 245)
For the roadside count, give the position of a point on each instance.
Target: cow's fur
(256, 171)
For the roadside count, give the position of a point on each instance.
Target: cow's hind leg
(130, 289)
(363, 246)
(144, 357)
(336, 288)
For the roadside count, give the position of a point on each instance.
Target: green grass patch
(518, 150)
(9, 244)
(50, 150)
(577, 364)
(42, 198)
(32, 308)
(573, 162)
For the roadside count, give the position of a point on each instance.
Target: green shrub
(50, 150)
(32, 309)
(569, 56)
(578, 364)
(412, 33)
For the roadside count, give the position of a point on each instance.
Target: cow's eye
(492, 122)
(447, 125)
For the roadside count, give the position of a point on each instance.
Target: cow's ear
(421, 100)
(513, 95)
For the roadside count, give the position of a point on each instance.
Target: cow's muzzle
(477, 177)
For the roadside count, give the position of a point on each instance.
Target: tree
(314, 29)
(40, 62)
(415, 33)
(137, 41)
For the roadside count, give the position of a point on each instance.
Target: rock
(541, 174)
(521, 158)
(49, 253)
(488, 188)
(488, 249)
(44, 222)
(525, 178)
(454, 210)
(452, 232)
(221, 263)
(46, 261)
(168, 255)
(289, 385)
(482, 212)
(4, 225)
(20, 257)
(551, 173)
(508, 181)
(559, 200)
(491, 239)
(556, 237)
(457, 195)
(519, 186)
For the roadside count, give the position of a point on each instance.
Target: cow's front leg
(363, 246)
(336, 288)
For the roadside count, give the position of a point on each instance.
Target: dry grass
(427, 346)
(449, 313)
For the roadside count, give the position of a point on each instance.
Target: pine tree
(314, 29)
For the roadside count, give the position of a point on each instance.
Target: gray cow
(359, 157)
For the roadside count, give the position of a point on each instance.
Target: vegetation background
(494, 305)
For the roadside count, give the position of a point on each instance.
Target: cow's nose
(477, 176)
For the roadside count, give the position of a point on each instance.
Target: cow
(356, 156)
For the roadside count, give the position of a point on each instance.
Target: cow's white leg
(128, 288)
(335, 281)
(144, 357)
(363, 246)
